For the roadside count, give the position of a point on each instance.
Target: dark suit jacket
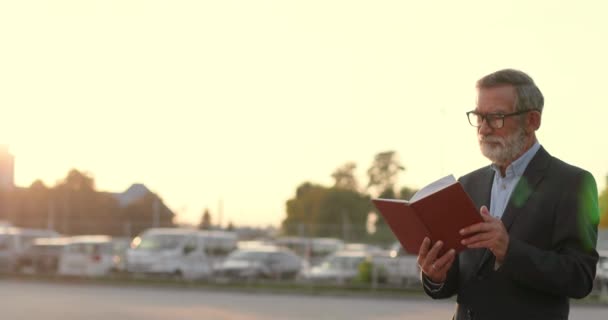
(551, 219)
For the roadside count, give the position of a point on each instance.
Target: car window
(76, 248)
(190, 245)
(160, 242)
(277, 257)
(4, 242)
(248, 255)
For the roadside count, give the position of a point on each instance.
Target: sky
(230, 105)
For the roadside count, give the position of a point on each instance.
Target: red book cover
(437, 211)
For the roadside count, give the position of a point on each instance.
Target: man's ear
(534, 120)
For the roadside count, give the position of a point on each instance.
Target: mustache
(491, 139)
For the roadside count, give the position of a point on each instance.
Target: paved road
(48, 301)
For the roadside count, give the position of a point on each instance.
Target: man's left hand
(490, 234)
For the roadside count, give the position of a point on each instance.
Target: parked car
(119, 254)
(43, 255)
(364, 247)
(339, 267)
(261, 262)
(178, 252)
(399, 267)
(313, 250)
(15, 241)
(88, 256)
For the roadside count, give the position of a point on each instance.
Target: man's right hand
(436, 269)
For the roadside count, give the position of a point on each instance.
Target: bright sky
(244, 100)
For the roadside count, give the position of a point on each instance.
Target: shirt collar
(517, 167)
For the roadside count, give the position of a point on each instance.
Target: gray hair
(529, 96)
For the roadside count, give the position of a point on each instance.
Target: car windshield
(342, 262)
(159, 242)
(46, 248)
(248, 255)
(4, 242)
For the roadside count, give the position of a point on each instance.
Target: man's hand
(490, 234)
(435, 269)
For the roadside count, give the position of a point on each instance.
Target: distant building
(7, 169)
(143, 209)
(133, 193)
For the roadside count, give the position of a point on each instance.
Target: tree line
(344, 210)
(73, 206)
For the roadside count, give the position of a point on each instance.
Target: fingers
(484, 211)
(476, 228)
(490, 223)
(426, 263)
(488, 244)
(432, 255)
(437, 269)
(477, 238)
(424, 248)
(482, 226)
(443, 264)
(488, 218)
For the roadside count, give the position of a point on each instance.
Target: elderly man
(536, 246)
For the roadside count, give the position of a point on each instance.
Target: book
(437, 211)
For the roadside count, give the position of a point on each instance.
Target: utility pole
(220, 212)
(50, 222)
(155, 212)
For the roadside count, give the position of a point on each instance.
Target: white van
(219, 243)
(87, 256)
(178, 252)
(14, 242)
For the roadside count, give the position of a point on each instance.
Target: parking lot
(28, 299)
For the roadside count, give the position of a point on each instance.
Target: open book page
(434, 187)
(394, 200)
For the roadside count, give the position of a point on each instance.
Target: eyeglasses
(494, 120)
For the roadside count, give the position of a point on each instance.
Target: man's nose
(484, 127)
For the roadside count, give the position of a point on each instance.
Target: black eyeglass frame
(490, 117)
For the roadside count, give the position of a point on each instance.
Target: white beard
(507, 149)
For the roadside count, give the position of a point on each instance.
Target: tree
(406, 193)
(344, 177)
(205, 220)
(77, 208)
(343, 214)
(34, 206)
(317, 211)
(78, 181)
(384, 172)
(303, 210)
(77, 203)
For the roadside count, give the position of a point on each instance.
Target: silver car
(267, 262)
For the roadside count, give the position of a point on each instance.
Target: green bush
(365, 274)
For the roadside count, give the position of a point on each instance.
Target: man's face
(502, 145)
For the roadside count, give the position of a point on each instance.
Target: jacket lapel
(524, 188)
(526, 185)
(481, 191)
